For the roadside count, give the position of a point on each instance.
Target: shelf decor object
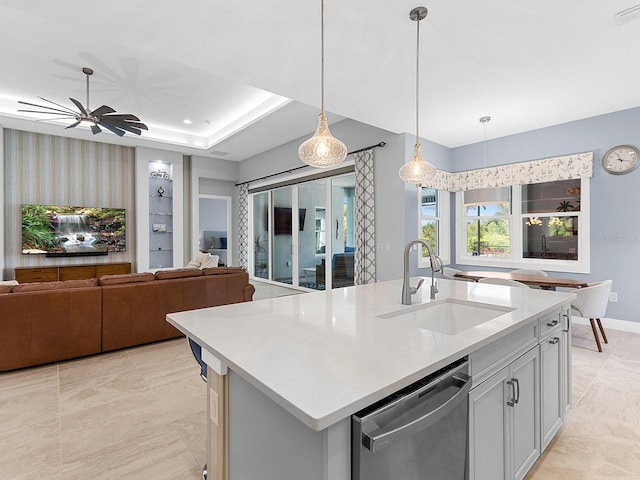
(322, 150)
(417, 171)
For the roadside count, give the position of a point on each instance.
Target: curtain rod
(380, 144)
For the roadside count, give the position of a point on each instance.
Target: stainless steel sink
(449, 316)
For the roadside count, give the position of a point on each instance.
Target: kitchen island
(287, 373)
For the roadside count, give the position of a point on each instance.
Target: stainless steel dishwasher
(417, 433)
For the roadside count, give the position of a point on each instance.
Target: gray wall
(395, 201)
(615, 231)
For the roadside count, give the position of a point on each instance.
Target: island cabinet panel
(262, 431)
(565, 346)
(551, 353)
(504, 428)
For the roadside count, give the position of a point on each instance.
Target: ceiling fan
(104, 116)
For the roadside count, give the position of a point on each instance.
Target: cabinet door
(565, 347)
(551, 386)
(488, 428)
(524, 408)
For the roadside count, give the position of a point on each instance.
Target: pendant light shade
(479, 197)
(486, 196)
(417, 171)
(323, 149)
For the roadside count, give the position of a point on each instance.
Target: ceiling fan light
(323, 149)
(417, 170)
(88, 121)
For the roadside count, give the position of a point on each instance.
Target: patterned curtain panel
(365, 225)
(243, 225)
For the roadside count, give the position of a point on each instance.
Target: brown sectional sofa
(52, 321)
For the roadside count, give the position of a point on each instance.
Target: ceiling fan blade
(122, 126)
(112, 128)
(80, 107)
(73, 125)
(54, 118)
(103, 110)
(122, 117)
(66, 112)
(57, 104)
(95, 129)
(49, 113)
(133, 127)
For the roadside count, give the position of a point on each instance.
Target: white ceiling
(527, 64)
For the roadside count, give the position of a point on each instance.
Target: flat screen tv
(282, 220)
(58, 230)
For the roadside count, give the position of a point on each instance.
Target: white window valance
(579, 165)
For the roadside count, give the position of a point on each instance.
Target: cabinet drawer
(488, 360)
(550, 324)
(112, 269)
(81, 272)
(36, 275)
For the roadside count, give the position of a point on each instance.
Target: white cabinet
(565, 366)
(519, 401)
(504, 424)
(551, 378)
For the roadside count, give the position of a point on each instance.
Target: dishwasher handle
(376, 442)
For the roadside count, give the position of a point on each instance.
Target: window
(550, 221)
(433, 207)
(543, 226)
(488, 228)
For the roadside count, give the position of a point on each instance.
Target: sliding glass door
(304, 233)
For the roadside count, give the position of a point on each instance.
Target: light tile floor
(140, 413)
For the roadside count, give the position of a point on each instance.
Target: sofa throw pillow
(200, 258)
(212, 261)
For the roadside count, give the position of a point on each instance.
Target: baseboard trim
(622, 325)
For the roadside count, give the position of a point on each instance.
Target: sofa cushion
(222, 270)
(127, 278)
(178, 273)
(5, 288)
(64, 285)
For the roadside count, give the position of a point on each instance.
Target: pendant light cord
(322, 55)
(417, 80)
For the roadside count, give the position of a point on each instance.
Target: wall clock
(621, 159)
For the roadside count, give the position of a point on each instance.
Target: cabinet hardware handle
(515, 397)
(554, 340)
(553, 323)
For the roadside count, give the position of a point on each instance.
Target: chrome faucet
(436, 266)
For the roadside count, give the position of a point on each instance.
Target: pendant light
(323, 149)
(417, 170)
(486, 195)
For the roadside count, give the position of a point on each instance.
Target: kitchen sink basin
(449, 316)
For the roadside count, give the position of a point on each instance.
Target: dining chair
(449, 272)
(531, 271)
(503, 281)
(591, 303)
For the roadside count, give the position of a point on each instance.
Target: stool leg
(595, 333)
(604, 335)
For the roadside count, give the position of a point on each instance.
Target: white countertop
(323, 356)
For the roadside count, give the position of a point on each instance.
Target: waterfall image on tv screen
(56, 230)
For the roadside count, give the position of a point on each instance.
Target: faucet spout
(436, 266)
